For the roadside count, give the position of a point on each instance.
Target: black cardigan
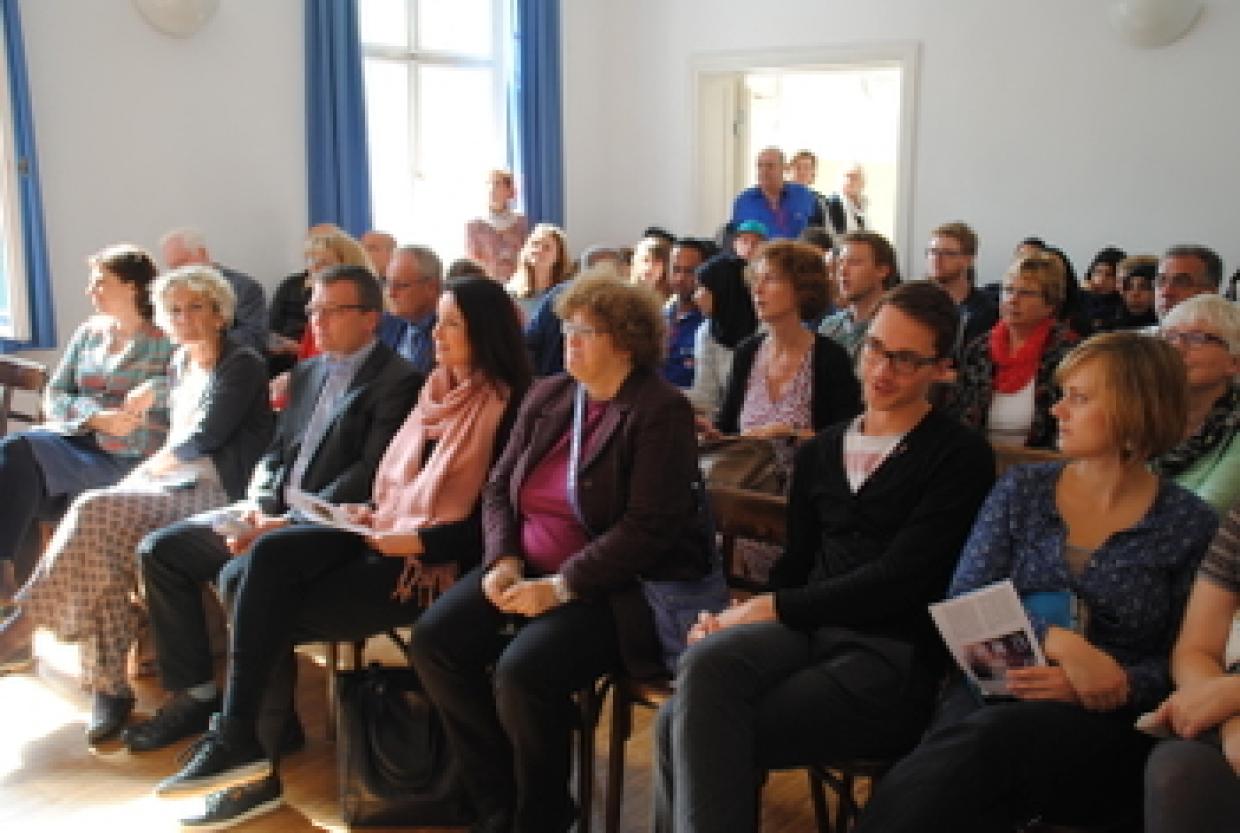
(835, 395)
(872, 561)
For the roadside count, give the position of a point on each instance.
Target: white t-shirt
(1011, 415)
(864, 453)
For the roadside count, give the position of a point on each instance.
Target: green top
(1215, 478)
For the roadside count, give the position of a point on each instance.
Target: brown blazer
(634, 489)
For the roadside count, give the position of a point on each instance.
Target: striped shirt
(90, 379)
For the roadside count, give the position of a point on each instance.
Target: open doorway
(853, 107)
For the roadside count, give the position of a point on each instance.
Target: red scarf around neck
(1014, 370)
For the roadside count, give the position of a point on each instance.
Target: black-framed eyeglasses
(328, 311)
(1192, 339)
(904, 362)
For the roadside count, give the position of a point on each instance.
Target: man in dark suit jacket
(344, 406)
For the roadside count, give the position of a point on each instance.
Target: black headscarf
(733, 317)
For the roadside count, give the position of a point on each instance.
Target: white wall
(1033, 118)
(138, 132)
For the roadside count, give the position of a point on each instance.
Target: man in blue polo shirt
(683, 315)
(785, 208)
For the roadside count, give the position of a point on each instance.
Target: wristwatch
(562, 594)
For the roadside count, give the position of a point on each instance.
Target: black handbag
(393, 761)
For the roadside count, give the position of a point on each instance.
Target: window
(436, 113)
(14, 316)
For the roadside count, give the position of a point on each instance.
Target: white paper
(988, 633)
(316, 510)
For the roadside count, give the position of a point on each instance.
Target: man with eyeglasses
(950, 258)
(414, 281)
(344, 406)
(840, 659)
(1185, 270)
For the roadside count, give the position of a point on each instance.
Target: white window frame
(499, 61)
(15, 320)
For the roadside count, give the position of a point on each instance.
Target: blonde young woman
(542, 264)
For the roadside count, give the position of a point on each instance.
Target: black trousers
(300, 584)
(993, 768)
(511, 730)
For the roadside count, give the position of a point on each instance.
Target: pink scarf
(1015, 370)
(408, 495)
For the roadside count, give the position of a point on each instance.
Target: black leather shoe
(180, 717)
(227, 754)
(237, 804)
(293, 739)
(107, 715)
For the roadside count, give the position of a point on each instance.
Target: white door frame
(903, 55)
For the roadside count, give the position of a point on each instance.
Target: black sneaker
(225, 755)
(178, 718)
(237, 804)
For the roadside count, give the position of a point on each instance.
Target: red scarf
(1015, 370)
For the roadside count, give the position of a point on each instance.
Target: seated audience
(1073, 311)
(651, 265)
(1101, 291)
(1135, 276)
(463, 267)
(543, 337)
(288, 309)
(379, 247)
(1028, 247)
(324, 251)
(866, 267)
(542, 264)
(840, 660)
(596, 254)
(307, 582)
(950, 256)
(1110, 539)
(1192, 782)
(595, 490)
(724, 298)
(495, 241)
(344, 406)
(1005, 386)
(1206, 331)
(185, 247)
(1185, 270)
(95, 435)
(747, 239)
(221, 422)
(684, 318)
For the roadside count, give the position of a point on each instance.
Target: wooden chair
(17, 374)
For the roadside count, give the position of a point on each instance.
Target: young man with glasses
(840, 660)
(950, 258)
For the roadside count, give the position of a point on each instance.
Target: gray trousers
(758, 697)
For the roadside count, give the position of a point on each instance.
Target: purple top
(550, 530)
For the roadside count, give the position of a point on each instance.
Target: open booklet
(316, 510)
(988, 632)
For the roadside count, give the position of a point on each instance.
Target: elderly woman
(594, 492)
(96, 435)
(305, 581)
(1004, 387)
(724, 298)
(542, 265)
(1193, 781)
(221, 423)
(495, 240)
(1105, 538)
(1206, 331)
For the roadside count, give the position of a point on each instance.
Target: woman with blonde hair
(542, 265)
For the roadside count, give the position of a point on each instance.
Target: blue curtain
(539, 134)
(338, 169)
(34, 238)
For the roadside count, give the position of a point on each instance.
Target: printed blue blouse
(1134, 586)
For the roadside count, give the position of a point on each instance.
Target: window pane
(387, 127)
(458, 142)
(384, 22)
(459, 26)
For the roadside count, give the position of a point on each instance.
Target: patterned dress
(85, 588)
(759, 409)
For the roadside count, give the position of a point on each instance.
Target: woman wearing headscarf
(724, 298)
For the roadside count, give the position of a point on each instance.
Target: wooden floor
(51, 781)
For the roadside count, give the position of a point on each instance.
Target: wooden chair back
(741, 513)
(18, 374)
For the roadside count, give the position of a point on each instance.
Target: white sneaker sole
(223, 824)
(201, 786)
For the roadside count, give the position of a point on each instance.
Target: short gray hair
(190, 238)
(1215, 311)
(430, 267)
(199, 279)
